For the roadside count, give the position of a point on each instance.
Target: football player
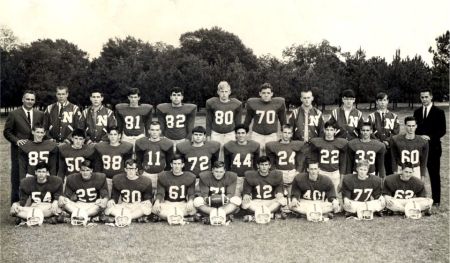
(86, 191)
(61, 118)
(385, 125)
(133, 118)
(153, 154)
(306, 120)
(111, 156)
(367, 149)
(240, 155)
(402, 189)
(176, 118)
(347, 118)
(362, 193)
(38, 150)
(410, 148)
(265, 112)
(312, 193)
(263, 191)
(217, 194)
(131, 196)
(39, 196)
(96, 119)
(175, 193)
(71, 155)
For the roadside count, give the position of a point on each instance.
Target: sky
(266, 26)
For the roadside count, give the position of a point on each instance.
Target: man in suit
(431, 125)
(18, 131)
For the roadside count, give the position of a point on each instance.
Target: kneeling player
(405, 193)
(39, 197)
(362, 193)
(263, 191)
(217, 194)
(175, 193)
(86, 194)
(131, 196)
(313, 194)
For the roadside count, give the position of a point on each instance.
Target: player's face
(78, 142)
(218, 173)
(113, 137)
(224, 93)
(366, 131)
(287, 134)
(61, 95)
(38, 134)
(41, 175)
(426, 98)
(134, 99)
(362, 172)
(266, 94)
(177, 166)
(198, 137)
(131, 170)
(329, 133)
(348, 102)
(383, 103)
(96, 99)
(306, 98)
(241, 135)
(86, 173)
(176, 98)
(28, 101)
(410, 127)
(264, 167)
(155, 131)
(313, 171)
(406, 174)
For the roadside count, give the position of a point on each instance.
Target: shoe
(249, 218)
(230, 218)
(18, 221)
(281, 215)
(154, 218)
(428, 212)
(95, 219)
(143, 219)
(330, 216)
(13, 209)
(198, 217)
(62, 218)
(379, 213)
(53, 220)
(389, 212)
(205, 220)
(189, 219)
(107, 219)
(348, 214)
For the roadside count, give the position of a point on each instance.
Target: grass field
(388, 239)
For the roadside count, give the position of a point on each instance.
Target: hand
(110, 203)
(280, 199)
(389, 201)
(247, 198)
(54, 208)
(62, 201)
(336, 206)
(294, 202)
(101, 202)
(21, 142)
(157, 207)
(347, 204)
(147, 203)
(425, 137)
(190, 207)
(29, 175)
(386, 143)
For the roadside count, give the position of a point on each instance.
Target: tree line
(204, 58)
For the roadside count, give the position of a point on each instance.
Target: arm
(231, 188)
(190, 122)
(379, 162)
(227, 158)
(209, 118)
(249, 116)
(61, 167)
(282, 114)
(204, 189)
(424, 159)
(53, 161)
(161, 119)
(9, 130)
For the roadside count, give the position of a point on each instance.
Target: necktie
(424, 112)
(29, 118)
(306, 128)
(383, 118)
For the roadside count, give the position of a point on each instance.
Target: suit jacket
(434, 125)
(17, 126)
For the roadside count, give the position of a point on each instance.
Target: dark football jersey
(265, 115)
(88, 191)
(222, 117)
(209, 185)
(331, 154)
(47, 192)
(286, 156)
(31, 153)
(70, 158)
(175, 188)
(361, 190)
(133, 121)
(373, 151)
(263, 187)
(400, 189)
(96, 128)
(240, 158)
(176, 122)
(111, 159)
(153, 156)
(414, 151)
(347, 128)
(60, 121)
(322, 189)
(384, 127)
(199, 159)
(131, 191)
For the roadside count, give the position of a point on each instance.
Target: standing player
(362, 193)
(153, 154)
(176, 118)
(385, 125)
(306, 120)
(133, 118)
(410, 148)
(367, 149)
(61, 118)
(240, 155)
(72, 155)
(217, 194)
(86, 191)
(175, 193)
(347, 118)
(39, 195)
(131, 196)
(111, 155)
(313, 192)
(263, 191)
(400, 190)
(96, 119)
(265, 112)
(199, 154)
(38, 150)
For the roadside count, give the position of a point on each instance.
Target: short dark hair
(348, 93)
(263, 159)
(382, 95)
(218, 164)
(240, 126)
(286, 126)
(266, 86)
(87, 163)
(62, 87)
(96, 91)
(38, 126)
(132, 91)
(155, 123)
(112, 128)
(79, 133)
(177, 156)
(366, 123)
(329, 124)
(311, 161)
(199, 129)
(130, 162)
(427, 90)
(410, 118)
(29, 91)
(41, 165)
(176, 90)
(407, 165)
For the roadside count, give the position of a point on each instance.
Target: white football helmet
(124, 219)
(365, 213)
(314, 213)
(412, 210)
(35, 217)
(218, 217)
(175, 217)
(79, 217)
(262, 215)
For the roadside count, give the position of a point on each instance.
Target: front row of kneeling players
(313, 195)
